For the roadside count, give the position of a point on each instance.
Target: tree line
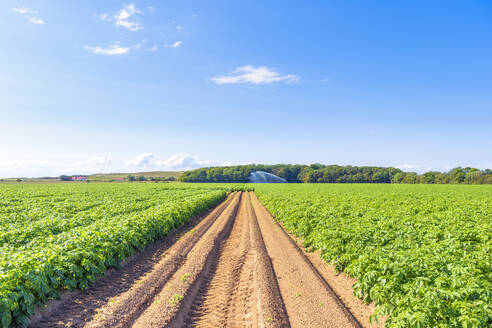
(142, 178)
(319, 173)
(467, 175)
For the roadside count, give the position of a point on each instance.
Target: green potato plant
(422, 253)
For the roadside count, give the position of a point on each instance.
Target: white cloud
(124, 15)
(183, 161)
(90, 166)
(112, 50)
(154, 48)
(100, 160)
(418, 168)
(407, 167)
(27, 168)
(30, 15)
(255, 75)
(103, 17)
(140, 160)
(22, 10)
(180, 28)
(132, 26)
(37, 168)
(25, 164)
(36, 20)
(174, 45)
(101, 164)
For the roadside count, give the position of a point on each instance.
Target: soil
(233, 267)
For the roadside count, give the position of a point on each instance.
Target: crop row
(65, 246)
(423, 254)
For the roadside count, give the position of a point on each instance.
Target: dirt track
(235, 268)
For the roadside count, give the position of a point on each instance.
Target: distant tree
(457, 175)
(316, 166)
(473, 176)
(398, 178)
(381, 176)
(441, 178)
(131, 178)
(410, 178)
(319, 173)
(429, 177)
(141, 178)
(19, 180)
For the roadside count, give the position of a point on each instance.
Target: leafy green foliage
(319, 173)
(422, 253)
(294, 173)
(63, 236)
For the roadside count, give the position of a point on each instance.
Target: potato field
(420, 255)
(423, 253)
(56, 236)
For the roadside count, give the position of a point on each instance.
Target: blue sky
(112, 86)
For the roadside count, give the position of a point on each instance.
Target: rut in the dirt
(226, 295)
(235, 268)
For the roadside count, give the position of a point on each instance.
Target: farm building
(79, 178)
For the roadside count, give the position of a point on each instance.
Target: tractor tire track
(236, 268)
(224, 299)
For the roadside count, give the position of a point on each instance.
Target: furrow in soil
(233, 267)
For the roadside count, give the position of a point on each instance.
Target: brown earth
(235, 267)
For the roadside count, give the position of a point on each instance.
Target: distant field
(106, 177)
(154, 174)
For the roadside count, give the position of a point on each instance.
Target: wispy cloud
(24, 164)
(30, 15)
(408, 167)
(37, 168)
(255, 75)
(35, 20)
(126, 17)
(140, 160)
(104, 17)
(112, 50)
(22, 10)
(180, 28)
(183, 161)
(176, 44)
(100, 160)
(98, 164)
(420, 168)
(92, 165)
